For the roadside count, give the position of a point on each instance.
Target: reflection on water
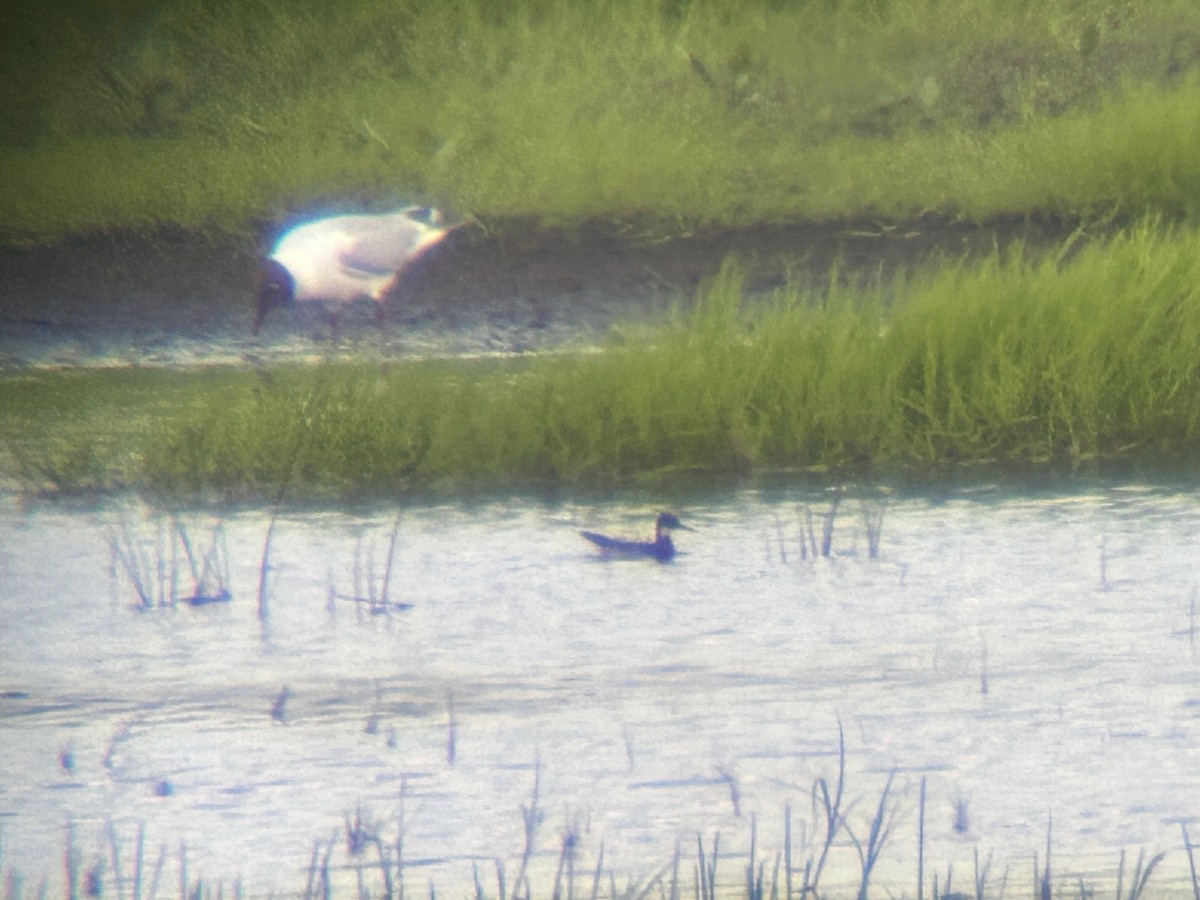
(1027, 655)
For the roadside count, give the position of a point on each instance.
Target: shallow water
(645, 695)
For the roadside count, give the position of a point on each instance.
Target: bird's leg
(381, 317)
(333, 325)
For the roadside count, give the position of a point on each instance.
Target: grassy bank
(1077, 356)
(661, 116)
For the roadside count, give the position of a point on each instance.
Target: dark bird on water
(661, 548)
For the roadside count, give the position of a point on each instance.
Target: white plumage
(338, 260)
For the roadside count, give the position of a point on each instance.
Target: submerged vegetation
(1084, 354)
(659, 116)
(370, 854)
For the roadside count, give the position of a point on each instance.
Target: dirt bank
(175, 298)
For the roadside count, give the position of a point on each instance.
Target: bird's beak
(469, 220)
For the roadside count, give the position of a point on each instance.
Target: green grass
(661, 116)
(1087, 354)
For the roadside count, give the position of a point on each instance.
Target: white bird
(338, 260)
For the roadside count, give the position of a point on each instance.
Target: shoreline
(173, 297)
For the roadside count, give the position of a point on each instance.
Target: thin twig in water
(1187, 846)
(827, 525)
(832, 807)
(138, 857)
(881, 830)
(264, 568)
(981, 874)
(400, 840)
(735, 797)
(872, 515)
(751, 862)
(110, 832)
(1042, 878)
(532, 816)
(787, 849)
(600, 869)
(1142, 875)
(391, 554)
(921, 843)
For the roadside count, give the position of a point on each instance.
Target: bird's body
(661, 548)
(335, 261)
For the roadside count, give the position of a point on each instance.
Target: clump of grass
(153, 573)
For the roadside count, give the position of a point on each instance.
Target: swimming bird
(661, 548)
(337, 260)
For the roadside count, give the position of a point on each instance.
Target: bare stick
(160, 557)
(156, 876)
(391, 555)
(881, 829)
(981, 875)
(827, 525)
(139, 855)
(750, 863)
(832, 807)
(787, 849)
(532, 816)
(600, 869)
(735, 797)
(186, 543)
(264, 567)
(451, 730)
(115, 855)
(1187, 846)
(123, 549)
(400, 842)
(1142, 875)
(71, 863)
(921, 843)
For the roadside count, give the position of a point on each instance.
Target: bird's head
(668, 522)
(275, 288)
(425, 215)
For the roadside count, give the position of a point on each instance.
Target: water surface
(1028, 654)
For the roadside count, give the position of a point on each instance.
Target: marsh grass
(371, 593)
(1069, 358)
(1007, 362)
(377, 865)
(662, 116)
(152, 566)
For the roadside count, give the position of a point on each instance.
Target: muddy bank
(176, 298)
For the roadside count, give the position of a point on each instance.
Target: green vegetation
(1087, 354)
(661, 116)
(658, 118)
